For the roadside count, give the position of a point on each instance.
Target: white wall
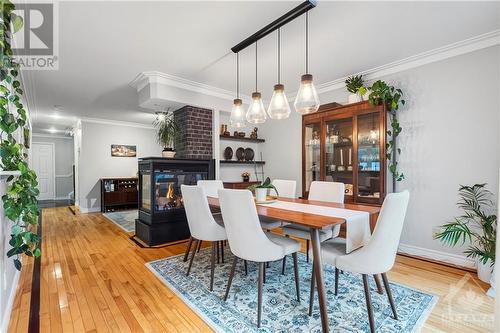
(64, 157)
(9, 276)
(95, 160)
(450, 137)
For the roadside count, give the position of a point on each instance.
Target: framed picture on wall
(123, 151)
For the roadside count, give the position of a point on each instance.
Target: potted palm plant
(261, 190)
(167, 133)
(477, 226)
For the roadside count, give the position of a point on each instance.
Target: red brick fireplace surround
(196, 136)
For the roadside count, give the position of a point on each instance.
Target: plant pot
(261, 194)
(168, 152)
(484, 271)
(354, 98)
(246, 178)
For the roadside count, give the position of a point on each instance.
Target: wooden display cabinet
(346, 144)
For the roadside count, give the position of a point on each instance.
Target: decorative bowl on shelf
(228, 153)
(249, 154)
(240, 154)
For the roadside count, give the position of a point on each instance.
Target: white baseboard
(449, 258)
(89, 210)
(10, 303)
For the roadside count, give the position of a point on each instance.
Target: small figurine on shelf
(241, 134)
(235, 133)
(246, 176)
(253, 135)
(223, 129)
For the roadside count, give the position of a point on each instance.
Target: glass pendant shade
(256, 113)
(307, 100)
(237, 118)
(279, 107)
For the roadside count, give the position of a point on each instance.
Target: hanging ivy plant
(382, 93)
(20, 200)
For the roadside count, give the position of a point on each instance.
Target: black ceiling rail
(304, 7)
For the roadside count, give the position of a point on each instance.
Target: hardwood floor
(93, 279)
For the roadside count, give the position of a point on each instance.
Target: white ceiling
(104, 45)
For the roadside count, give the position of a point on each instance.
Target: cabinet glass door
(339, 154)
(312, 153)
(369, 156)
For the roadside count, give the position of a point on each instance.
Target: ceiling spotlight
(52, 130)
(160, 116)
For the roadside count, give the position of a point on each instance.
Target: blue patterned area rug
(281, 312)
(124, 219)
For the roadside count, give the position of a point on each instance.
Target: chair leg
(222, 251)
(296, 271)
(212, 265)
(196, 242)
(389, 295)
(283, 268)
(264, 279)
(199, 246)
(368, 303)
(231, 275)
(336, 281)
(262, 268)
(246, 267)
(311, 294)
(218, 253)
(186, 255)
(267, 264)
(379, 285)
(307, 250)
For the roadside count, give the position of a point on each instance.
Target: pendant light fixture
(256, 113)
(307, 100)
(237, 118)
(279, 107)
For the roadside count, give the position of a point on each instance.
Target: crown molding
(472, 44)
(115, 122)
(479, 42)
(145, 78)
(42, 135)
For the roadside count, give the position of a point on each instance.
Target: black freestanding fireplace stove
(162, 218)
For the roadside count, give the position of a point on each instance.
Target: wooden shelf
(244, 139)
(241, 162)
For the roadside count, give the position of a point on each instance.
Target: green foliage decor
(354, 83)
(167, 130)
(382, 93)
(20, 200)
(477, 225)
(266, 184)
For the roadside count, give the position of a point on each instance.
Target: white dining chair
(376, 257)
(210, 187)
(285, 189)
(319, 191)
(201, 224)
(249, 242)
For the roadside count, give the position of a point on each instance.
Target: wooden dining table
(315, 223)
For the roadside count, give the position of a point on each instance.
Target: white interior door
(43, 164)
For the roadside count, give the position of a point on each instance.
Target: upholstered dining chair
(210, 187)
(377, 257)
(249, 242)
(201, 224)
(286, 189)
(319, 191)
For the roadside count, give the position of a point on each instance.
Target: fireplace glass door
(167, 187)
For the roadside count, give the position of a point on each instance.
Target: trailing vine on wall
(382, 93)
(20, 200)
